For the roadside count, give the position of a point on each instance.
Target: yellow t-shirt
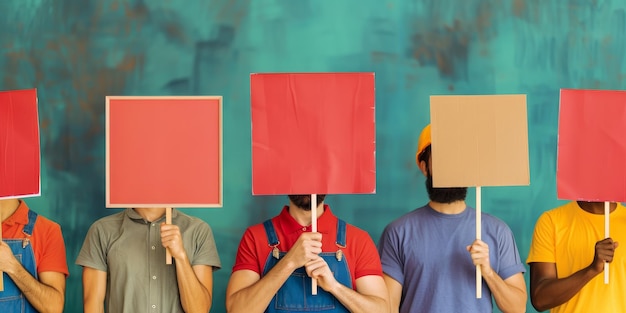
(567, 236)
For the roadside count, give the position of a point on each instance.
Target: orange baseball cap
(422, 143)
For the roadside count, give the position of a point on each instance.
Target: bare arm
(548, 291)
(510, 294)
(247, 292)
(395, 293)
(195, 284)
(94, 290)
(46, 294)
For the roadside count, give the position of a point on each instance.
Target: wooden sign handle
(607, 212)
(1, 274)
(479, 283)
(168, 220)
(314, 229)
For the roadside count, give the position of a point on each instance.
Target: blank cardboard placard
(479, 140)
(164, 151)
(313, 133)
(20, 160)
(591, 158)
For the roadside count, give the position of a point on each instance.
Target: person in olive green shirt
(124, 267)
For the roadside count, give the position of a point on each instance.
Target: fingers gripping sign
(307, 248)
(479, 252)
(318, 269)
(604, 252)
(172, 240)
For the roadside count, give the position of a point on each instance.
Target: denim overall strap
(12, 299)
(295, 295)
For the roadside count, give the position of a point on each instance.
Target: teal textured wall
(77, 52)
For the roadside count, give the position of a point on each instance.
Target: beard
(304, 201)
(444, 195)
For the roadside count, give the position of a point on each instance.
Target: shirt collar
(20, 216)
(326, 223)
(134, 216)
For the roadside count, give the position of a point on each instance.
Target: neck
(150, 214)
(302, 216)
(455, 207)
(596, 207)
(8, 207)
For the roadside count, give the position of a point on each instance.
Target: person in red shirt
(277, 260)
(32, 258)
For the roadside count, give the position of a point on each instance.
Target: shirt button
(303, 228)
(153, 277)
(154, 306)
(153, 247)
(152, 224)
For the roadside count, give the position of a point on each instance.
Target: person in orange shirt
(32, 259)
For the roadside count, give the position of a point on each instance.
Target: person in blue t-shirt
(429, 256)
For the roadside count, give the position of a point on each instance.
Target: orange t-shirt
(46, 240)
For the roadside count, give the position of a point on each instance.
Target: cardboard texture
(591, 157)
(164, 151)
(20, 161)
(479, 140)
(313, 133)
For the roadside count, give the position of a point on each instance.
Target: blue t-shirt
(425, 251)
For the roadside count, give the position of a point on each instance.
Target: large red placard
(591, 158)
(20, 160)
(164, 151)
(313, 133)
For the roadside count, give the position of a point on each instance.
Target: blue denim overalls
(295, 295)
(11, 299)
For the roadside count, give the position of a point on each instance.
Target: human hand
(172, 240)
(7, 259)
(306, 248)
(318, 269)
(604, 251)
(479, 252)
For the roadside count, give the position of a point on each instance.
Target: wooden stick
(607, 212)
(168, 220)
(1, 274)
(479, 287)
(314, 229)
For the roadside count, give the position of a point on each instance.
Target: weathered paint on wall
(77, 52)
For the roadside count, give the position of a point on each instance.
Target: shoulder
(108, 223)
(408, 219)
(187, 221)
(46, 225)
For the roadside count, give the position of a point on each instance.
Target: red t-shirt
(360, 251)
(46, 240)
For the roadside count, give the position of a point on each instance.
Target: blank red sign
(313, 133)
(164, 151)
(19, 144)
(591, 163)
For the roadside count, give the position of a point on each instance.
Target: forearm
(550, 293)
(91, 305)
(256, 297)
(194, 297)
(41, 296)
(508, 298)
(356, 302)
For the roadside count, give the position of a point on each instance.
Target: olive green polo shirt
(129, 249)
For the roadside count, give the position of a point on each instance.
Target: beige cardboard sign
(479, 140)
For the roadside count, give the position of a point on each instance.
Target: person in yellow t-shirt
(567, 257)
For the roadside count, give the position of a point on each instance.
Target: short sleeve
(509, 260)
(53, 257)
(247, 257)
(390, 258)
(368, 261)
(205, 250)
(93, 252)
(542, 247)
